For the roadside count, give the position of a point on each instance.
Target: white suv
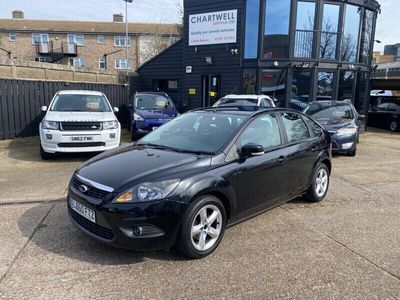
(78, 121)
(245, 101)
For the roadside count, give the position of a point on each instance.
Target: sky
(161, 11)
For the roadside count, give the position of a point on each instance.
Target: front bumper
(142, 226)
(141, 128)
(342, 144)
(61, 141)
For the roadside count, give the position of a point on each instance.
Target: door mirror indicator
(251, 149)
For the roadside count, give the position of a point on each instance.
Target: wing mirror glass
(43, 108)
(116, 109)
(251, 149)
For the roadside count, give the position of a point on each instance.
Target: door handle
(282, 159)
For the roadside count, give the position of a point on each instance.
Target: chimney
(118, 18)
(17, 14)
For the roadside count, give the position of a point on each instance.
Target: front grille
(98, 230)
(92, 191)
(81, 126)
(80, 145)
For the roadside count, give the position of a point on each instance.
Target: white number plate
(82, 139)
(83, 210)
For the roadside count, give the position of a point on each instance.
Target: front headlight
(51, 125)
(347, 131)
(110, 125)
(137, 117)
(148, 191)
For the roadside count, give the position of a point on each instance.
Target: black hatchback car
(184, 183)
(385, 115)
(342, 121)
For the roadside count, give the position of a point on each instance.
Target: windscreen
(84, 103)
(150, 102)
(196, 132)
(329, 111)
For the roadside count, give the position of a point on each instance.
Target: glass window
(120, 41)
(249, 81)
(276, 32)
(102, 63)
(366, 42)
(349, 45)
(40, 38)
(79, 39)
(251, 34)
(264, 131)
(273, 84)
(361, 98)
(329, 32)
(121, 64)
(77, 62)
(346, 84)
(100, 39)
(325, 85)
(300, 92)
(13, 37)
(296, 128)
(304, 41)
(76, 102)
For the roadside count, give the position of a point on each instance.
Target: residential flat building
(92, 45)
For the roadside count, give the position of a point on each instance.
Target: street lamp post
(127, 38)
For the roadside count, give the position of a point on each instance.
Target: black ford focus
(184, 183)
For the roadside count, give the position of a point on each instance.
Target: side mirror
(361, 118)
(251, 149)
(130, 106)
(116, 109)
(43, 108)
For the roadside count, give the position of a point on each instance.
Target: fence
(20, 102)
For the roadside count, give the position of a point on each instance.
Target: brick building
(92, 45)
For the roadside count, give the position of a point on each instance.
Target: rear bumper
(54, 141)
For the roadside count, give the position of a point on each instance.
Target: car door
(261, 179)
(301, 152)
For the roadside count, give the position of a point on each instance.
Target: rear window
(153, 102)
(296, 128)
(236, 102)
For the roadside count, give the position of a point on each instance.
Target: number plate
(82, 139)
(85, 212)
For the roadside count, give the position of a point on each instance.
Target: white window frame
(42, 59)
(118, 41)
(100, 39)
(78, 62)
(13, 37)
(75, 35)
(120, 61)
(44, 38)
(102, 61)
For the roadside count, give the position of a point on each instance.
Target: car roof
(152, 93)
(80, 92)
(238, 111)
(332, 102)
(255, 97)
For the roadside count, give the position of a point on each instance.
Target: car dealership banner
(213, 28)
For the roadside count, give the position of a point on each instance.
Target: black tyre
(44, 155)
(394, 125)
(202, 227)
(352, 153)
(320, 184)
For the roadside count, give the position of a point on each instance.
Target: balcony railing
(64, 50)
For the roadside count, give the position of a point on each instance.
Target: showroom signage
(213, 28)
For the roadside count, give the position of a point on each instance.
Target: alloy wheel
(393, 125)
(206, 228)
(321, 182)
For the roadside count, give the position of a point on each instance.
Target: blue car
(149, 111)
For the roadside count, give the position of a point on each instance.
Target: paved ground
(346, 247)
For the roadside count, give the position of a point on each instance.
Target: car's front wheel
(320, 184)
(44, 155)
(202, 228)
(394, 125)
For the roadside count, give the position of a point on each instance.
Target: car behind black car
(184, 183)
(385, 115)
(342, 121)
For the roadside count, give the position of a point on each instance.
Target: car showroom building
(293, 50)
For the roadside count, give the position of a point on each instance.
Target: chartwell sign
(213, 28)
